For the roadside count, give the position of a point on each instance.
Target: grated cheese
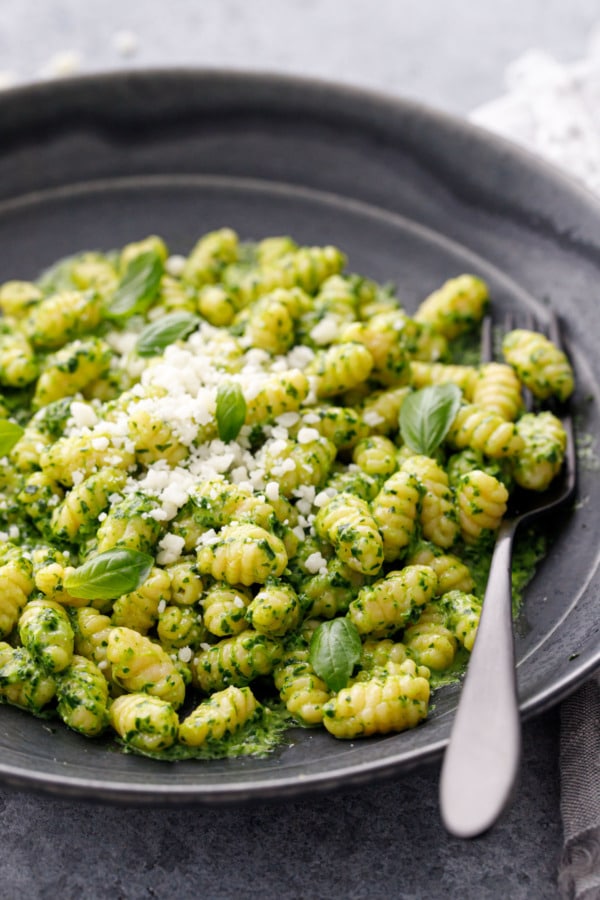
(325, 331)
(308, 435)
(315, 562)
(372, 418)
(272, 491)
(82, 415)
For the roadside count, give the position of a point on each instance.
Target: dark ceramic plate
(411, 196)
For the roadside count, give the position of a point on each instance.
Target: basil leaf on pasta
(427, 415)
(10, 433)
(334, 651)
(231, 410)
(109, 575)
(138, 287)
(158, 335)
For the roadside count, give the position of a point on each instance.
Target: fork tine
(564, 412)
(554, 330)
(486, 348)
(529, 322)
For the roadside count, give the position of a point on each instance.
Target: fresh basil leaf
(137, 288)
(10, 433)
(158, 335)
(109, 575)
(426, 416)
(334, 650)
(231, 410)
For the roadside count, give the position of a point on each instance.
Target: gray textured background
(380, 841)
(451, 53)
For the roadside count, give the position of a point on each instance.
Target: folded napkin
(579, 874)
(553, 110)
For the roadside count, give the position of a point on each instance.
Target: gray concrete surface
(379, 841)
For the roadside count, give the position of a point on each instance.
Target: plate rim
(358, 92)
(357, 773)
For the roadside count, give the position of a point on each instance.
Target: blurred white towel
(552, 109)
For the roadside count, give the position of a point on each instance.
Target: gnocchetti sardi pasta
(243, 489)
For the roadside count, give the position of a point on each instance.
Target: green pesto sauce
(453, 674)
(256, 738)
(529, 548)
(18, 403)
(465, 349)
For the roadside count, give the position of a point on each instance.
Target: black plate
(411, 196)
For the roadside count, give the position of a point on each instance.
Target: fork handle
(481, 763)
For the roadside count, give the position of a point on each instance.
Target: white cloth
(552, 109)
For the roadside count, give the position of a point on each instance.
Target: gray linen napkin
(579, 874)
(553, 110)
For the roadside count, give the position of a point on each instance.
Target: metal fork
(482, 759)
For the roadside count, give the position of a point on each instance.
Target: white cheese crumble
(324, 497)
(170, 549)
(308, 435)
(83, 415)
(298, 530)
(325, 331)
(315, 562)
(185, 654)
(311, 418)
(122, 342)
(372, 418)
(272, 491)
(209, 537)
(299, 357)
(277, 447)
(288, 420)
(175, 265)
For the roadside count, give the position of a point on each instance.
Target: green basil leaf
(158, 335)
(334, 650)
(426, 416)
(10, 433)
(137, 288)
(231, 410)
(109, 575)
